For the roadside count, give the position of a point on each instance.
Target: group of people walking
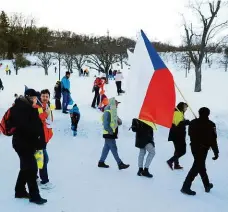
(31, 118)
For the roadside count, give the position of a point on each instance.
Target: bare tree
(68, 60)
(79, 60)
(104, 56)
(224, 60)
(198, 40)
(186, 63)
(45, 60)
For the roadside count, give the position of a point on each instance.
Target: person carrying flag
(177, 135)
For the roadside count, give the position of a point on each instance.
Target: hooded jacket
(29, 134)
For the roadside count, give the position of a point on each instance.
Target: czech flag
(150, 92)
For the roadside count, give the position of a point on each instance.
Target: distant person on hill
(96, 88)
(55, 69)
(1, 85)
(119, 78)
(110, 74)
(110, 134)
(7, 70)
(75, 117)
(57, 95)
(65, 86)
(144, 140)
(203, 136)
(177, 135)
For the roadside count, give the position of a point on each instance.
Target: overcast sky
(160, 19)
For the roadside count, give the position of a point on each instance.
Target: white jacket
(119, 77)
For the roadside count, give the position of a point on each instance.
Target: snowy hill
(82, 187)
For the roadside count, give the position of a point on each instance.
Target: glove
(215, 157)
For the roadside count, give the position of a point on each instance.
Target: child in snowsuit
(75, 117)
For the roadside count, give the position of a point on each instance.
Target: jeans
(27, 174)
(110, 144)
(151, 152)
(44, 171)
(66, 100)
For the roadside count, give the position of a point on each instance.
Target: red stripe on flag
(160, 99)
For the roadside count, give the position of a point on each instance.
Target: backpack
(6, 124)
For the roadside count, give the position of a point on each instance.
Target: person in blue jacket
(65, 86)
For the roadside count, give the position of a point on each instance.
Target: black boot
(146, 173)
(102, 165)
(39, 201)
(178, 167)
(123, 166)
(140, 172)
(188, 191)
(209, 187)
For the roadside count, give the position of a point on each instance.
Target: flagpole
(185, 99)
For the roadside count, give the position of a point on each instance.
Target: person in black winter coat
(57, 95)
(27, 139)
(1, 85)
(177, 135)
(203, 136)
(144, 140)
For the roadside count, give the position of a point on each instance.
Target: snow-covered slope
(82, 187)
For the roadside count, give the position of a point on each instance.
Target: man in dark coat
(144, 140)
(28, 137)
(203, 136)
(57, 95)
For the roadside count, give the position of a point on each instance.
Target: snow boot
(123, 166)
(140, 172)
(178, 167)
(146, 173)
(188, 191)
(39, 201)
(24, 195)
(102, 165)
(65, 112)
(208, 188)
(170, 164)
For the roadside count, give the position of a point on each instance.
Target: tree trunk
(226, 66)
(198, 79)
(107, 76)
(16, 71)
(186, 72)
(46, 71)
(121, 62)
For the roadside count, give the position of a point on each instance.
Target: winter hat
(204, 112)
(31, 92)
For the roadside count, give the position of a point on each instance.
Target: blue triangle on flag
(154, 57)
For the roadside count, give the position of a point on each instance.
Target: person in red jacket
(46, 117)
(96, 88)
(104, 101)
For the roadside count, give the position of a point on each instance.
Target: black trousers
(27, 174)
(180, 150)
(58, 104)
(96, 99)
(118, 86)
(198, 167)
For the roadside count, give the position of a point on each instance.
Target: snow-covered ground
(82, 187)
